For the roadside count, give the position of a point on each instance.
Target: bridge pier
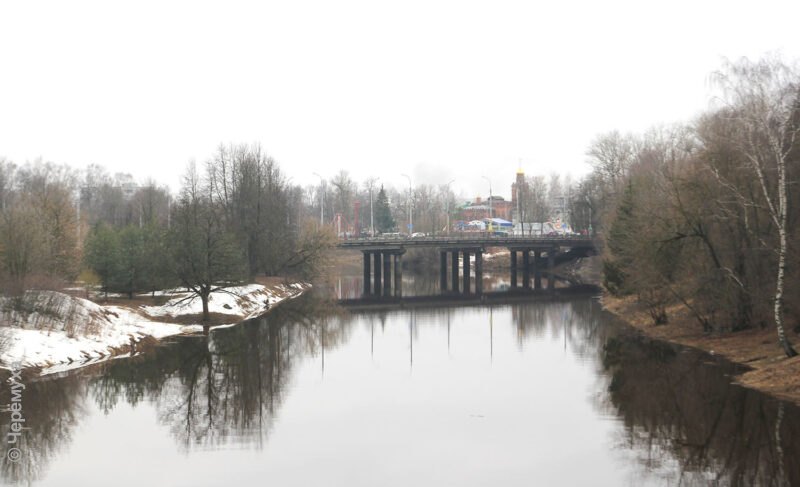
(454, 271)
(537, 271)
(387, 274)
(376, 282)
(513, 268)
(398, 275)
(479, 272)
(367, 273)
(526, 269)
(462, 283)
(443, 271)
(378, 278)
(551, 264)
(466, 273)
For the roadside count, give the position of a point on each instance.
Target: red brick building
(478, 209)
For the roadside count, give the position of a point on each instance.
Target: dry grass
(772, 372)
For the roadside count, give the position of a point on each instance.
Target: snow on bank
(57, 332)
(242, 301)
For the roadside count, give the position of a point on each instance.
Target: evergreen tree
(102, 254)
(132, 261)
(384, 221)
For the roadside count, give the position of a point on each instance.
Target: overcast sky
(436, 90)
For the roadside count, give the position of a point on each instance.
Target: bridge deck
(467, 241)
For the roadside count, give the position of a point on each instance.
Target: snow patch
(59, 332)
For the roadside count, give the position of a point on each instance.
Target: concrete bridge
(383, 266)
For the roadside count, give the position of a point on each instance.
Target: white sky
(435, 90)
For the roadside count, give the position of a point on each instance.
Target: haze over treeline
(701, 214)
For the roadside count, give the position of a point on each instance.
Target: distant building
(479, 209)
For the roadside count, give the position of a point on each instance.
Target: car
(418, 235)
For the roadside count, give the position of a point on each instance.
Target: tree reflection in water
(675, 406)
(227, 386)
(52, 409)
(681, 417)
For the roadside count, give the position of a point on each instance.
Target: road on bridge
(461, 241)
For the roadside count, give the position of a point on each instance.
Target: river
(526, 392)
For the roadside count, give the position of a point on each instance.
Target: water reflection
(51, 410)
(680, 421)
(227, 386)
(677, 408)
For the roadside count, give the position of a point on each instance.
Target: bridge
(383, 266)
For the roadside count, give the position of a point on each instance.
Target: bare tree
(763, 99)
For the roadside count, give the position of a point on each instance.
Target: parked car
(418, 235)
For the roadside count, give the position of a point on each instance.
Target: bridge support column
(398, 275)
(443, 270)
(551, 264)
(376, 283)
(513, 268)
(526, 269)
(387, 274)
(479, 272)
(537, 271)
(466, 275)
(454, 270)
(367, 273)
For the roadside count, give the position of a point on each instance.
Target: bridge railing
(466, 240)
(463, 236)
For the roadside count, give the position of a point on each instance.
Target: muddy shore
(770, 371)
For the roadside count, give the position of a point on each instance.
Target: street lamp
(490, 196)
(447, 205)
(410, 216)
(321, 199)
(371, 182)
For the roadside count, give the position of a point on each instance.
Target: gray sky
(435, 90)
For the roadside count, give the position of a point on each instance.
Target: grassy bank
(770, 371)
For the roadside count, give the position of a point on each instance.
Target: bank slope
(55, 331)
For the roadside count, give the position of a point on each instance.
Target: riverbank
(770, 371)
(53, 331)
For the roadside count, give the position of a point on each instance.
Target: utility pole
(371, 183)
(447, 205)
(490, 195)
(410, 216)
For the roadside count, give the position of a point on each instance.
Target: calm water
(536, 393)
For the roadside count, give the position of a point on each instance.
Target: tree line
(704, 214)
(360, 208)
(236, 216)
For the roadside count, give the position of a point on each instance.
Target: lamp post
(321, 199)
(410, 216)
(490, 196)
(371, 182)
(447, 205)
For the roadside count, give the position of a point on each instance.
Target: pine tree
(383, 214)
(102, 254)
